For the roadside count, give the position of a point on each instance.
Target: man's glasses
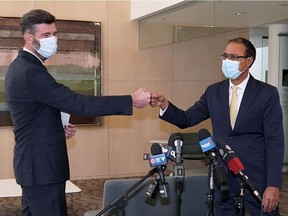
(232, 57)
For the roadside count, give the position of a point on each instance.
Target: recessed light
(238, 13)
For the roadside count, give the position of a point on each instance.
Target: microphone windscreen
(220, 144)
(178, 136)
(203, 134)
(235, 165)
(156, 149)
(173, 137)
(225, 151)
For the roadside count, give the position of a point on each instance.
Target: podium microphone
(159, 160)
(176, 143)
(234, 164)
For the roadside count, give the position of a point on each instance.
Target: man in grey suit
(255, 133)
(34, 100)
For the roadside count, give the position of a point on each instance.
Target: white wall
(140, 9)
(260, 66)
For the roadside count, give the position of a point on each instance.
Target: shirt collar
(241, 85)
(27, 50)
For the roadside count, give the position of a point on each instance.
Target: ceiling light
(238, 13)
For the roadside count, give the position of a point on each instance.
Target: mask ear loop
(33, 41)
(250, 59)
(245, 67)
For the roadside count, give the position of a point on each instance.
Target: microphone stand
(120, 202)
(239, 200)
(212, 161)
(179, 179)
(179, 174)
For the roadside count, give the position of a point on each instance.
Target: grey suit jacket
(257, 137)
(34, 100)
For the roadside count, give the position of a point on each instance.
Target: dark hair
(33, 17)
(250, 49)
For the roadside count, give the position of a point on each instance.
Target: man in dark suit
(34, 100)
(255, 132)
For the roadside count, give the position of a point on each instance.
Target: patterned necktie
(233, 106)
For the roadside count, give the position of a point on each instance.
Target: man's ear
(28, 38)
(250, 60)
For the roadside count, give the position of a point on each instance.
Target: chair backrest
(191, 147)
(194, 200)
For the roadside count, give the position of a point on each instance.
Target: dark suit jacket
(34, 100)
(257, 138)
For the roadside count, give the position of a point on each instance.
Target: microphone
(159, 160)
(176, 142)
(234, 164)
(219, 175)
(207, 145)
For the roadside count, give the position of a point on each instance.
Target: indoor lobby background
(181, 70)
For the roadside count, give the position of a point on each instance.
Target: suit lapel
(248, 97)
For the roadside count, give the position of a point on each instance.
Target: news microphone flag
(206, 144)
(158, 160)
(170, 152)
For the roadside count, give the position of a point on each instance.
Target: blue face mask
(48, 46)
(231, 69)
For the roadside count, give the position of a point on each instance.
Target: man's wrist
(164, 104)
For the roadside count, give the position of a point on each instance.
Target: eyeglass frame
(232, 57)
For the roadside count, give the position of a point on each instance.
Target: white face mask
(48, 46)
(231, 69)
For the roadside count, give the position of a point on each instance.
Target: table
(9, 188)
(161, 142)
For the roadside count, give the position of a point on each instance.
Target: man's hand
(158, 100)
(70, 130)
(141, 98)
(270, 199)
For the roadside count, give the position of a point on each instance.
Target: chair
(191, 146)
(194, 199)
